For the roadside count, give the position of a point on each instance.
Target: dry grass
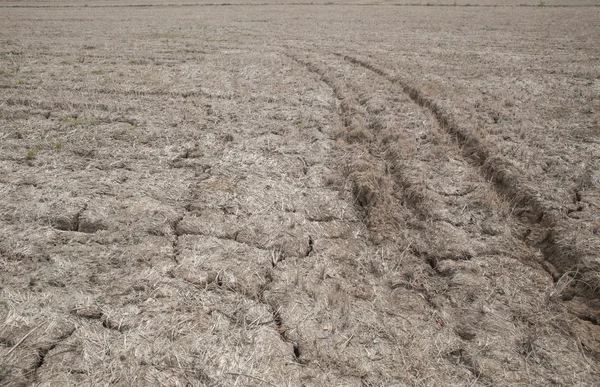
(338, 195)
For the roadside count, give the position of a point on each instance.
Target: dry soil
(259, 194)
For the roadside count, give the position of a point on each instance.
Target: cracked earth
(244, 195)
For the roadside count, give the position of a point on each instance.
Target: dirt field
(299, 195)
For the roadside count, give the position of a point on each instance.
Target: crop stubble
(300, 195)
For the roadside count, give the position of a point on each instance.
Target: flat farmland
(262, 194)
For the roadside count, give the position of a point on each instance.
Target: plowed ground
(313, 195)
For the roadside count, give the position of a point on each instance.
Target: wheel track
(412, 189)
(370, 198)
(354, 130)
(419, 204)
(560, 259)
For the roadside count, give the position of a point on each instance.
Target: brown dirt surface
(336, 194)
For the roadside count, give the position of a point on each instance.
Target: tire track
(370, 192)
(543, 223)
(372, 188)
(367, 180)
(432, 210)
(413, 191)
